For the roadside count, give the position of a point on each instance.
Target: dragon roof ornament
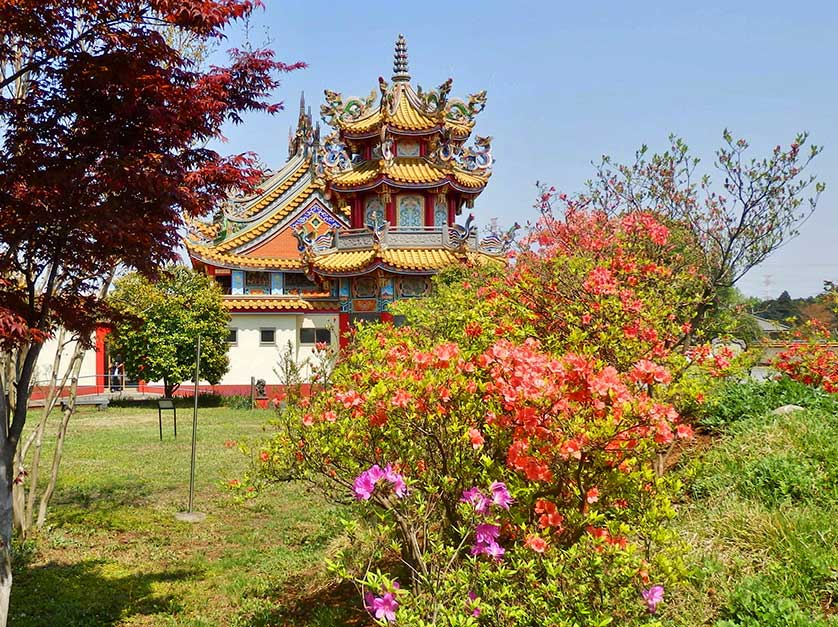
(477, 160)
(362, 115)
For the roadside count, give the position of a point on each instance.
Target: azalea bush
(498, 449)
(810, 359)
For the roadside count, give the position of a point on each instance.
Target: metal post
(252, 392)
(189, 515)
(194, 424)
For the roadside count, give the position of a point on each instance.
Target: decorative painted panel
(370, 304)
(276, 283)
(238, 282)
(374, 211)
(344, 288)
(411, 209)
(440, 212)
(314, 216)
(407, 148)
(365, 287)
(414, 286)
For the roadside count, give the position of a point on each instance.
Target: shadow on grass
(97, 504)
(335, 605)
(82, 594)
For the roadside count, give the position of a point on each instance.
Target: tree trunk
(7, 454)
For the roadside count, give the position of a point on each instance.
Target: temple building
(351, 222)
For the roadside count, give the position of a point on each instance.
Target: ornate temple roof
(402, 108)
(402, 114)
(298, 220)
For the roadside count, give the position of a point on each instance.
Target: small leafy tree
(159, 321)
(737, 223)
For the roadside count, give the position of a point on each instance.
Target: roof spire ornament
(400, 60)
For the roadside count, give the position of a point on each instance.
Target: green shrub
(204, 400)
(237, 401)
(755, 604)
(780, 477)
(735, 401)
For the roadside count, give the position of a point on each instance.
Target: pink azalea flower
(471, 603)
(500, 495)
(364, 486)
(494, 550)
(653, 596)
(475, 498)
(385, 606)
(397, 481)
(485, 533)
(365, 483)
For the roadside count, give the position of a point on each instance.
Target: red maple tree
(104, 125)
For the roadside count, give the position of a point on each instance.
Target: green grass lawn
(761, 520)
(762, 524)
(114, 554)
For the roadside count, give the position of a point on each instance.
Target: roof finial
(400, 60)
(302, 103)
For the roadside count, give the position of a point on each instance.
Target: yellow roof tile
(206, 253)
(405, 170)
(278, 304)
(262, 199)
(274, 218)
(428, 259)
(344, 261)
(268, 196)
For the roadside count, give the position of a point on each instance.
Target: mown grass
(763, 526)
(114, 554)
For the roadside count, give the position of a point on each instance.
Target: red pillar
(357, 213)
(386, 316)
(391, 211)
(452, 210)
(343, 327)
(101, 373)
(429, 210)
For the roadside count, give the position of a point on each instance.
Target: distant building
(771, 329)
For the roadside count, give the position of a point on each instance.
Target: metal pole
(194, 424)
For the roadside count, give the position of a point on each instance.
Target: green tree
(157, 323)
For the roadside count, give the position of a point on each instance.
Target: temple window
(267, 336)
(373, 211)
(232, 336)
(225, 282)
(407, 148)
(314, 336)
(299, 283)
(411, 209)
(440, 211)
(257, 283)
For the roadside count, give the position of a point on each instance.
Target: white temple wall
(252, 357)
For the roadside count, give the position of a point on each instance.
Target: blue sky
(570, 81)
